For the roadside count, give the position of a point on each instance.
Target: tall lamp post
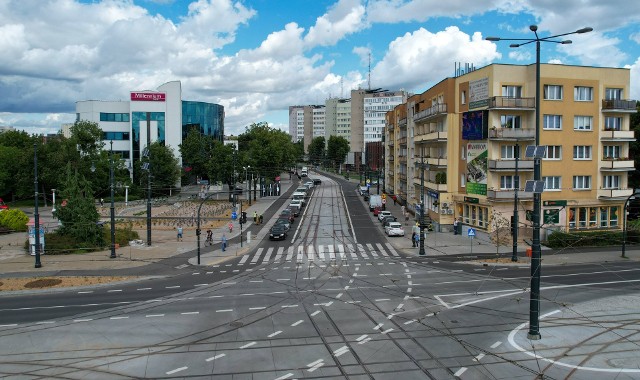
(36, 215)
(422, 206)
(534, 304)
(113, 209)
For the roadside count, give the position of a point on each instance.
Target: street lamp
(53, 192)
(113, 209)
(534, 304)
(422, 206)
(36, 216)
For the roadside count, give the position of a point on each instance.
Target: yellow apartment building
(468, 131)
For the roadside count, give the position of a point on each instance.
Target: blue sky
(258, 57)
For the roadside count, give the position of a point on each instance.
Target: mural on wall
(477, 166)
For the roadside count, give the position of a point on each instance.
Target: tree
(337, 150)
(196, 150)
(87, 137)
(165, 171)
(16, 164)
(268, 150)
(220, 165)
(317, 150)
(77, 211)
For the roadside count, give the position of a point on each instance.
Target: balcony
(430, 113)
(617, 165)
(435, 137)
(503, 102)
(613, 135)
(436, 162)
(402, 141)
(512, 134)
(614, 193)
(507, 195)
(441, 187)
(619, 105)
(510, 165)
(402, 122)
(402, 177)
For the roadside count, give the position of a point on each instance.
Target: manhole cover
(236, 324)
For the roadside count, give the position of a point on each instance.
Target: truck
(304, 172)
(375, 201)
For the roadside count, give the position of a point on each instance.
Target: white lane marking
(248, 345)
(479, 357)
(496, 344)
(390, 316)
(400, 306)
(215, 357)
(248, 294)
(321, 252)
(86, 292)
(386, 331)
(144, 289)
(289, 253)
(258, 308)
(243, 259)
(314, 363)
(172, 287)
(339, 295)
(311, 253)
(279, 254)
(378, 326)
(410, 321)
(224, 311)
(383, 299)
(216, 296)
(409, 290)
(114, 290)
(372, 250)
(267, 256)
(195, 273)
(83, 320)
(296, 323)
(346, 287)
(332, 255)
(208, 272)
(154, 315)
(315, 367)
(381, 250)
(393, 251)
(283, 279)
(341, 251)
(256, 257)
(200, 285)
(361, 337)
(182, 266)
(460, 372)
(351, 281)
(288, 375)
(119, 318)
(190, 313)
(283, 306)
(255, 280)
(315, 313)
(176, 370)
(229, 283)
(352, 251)
(364, 341)
(274, 334)
(45, 322)
(341, 350)
(300, 255)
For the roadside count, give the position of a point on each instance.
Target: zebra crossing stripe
(300, 253)
(352, 251)
(267, 256)
(311, 253)
(381, 250)
(332, 255)
(362, 252)
(289, 253)
(257, 256)
(321, 252)
(243, 259)
(341, 251)
(392, 250)
(279, 254)
(372, 250)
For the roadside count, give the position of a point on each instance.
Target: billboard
(148, 96)
(477, 166)
(475, 125)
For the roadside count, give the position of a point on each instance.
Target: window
(552, 122)
(463, 97)
(512, 91)
(510, 121)
(611, 151)
(117, 117)
(581, 182)
(552, 92)
(508, 152)
(583, 94)
(115, 135)
(507, 182)
(583, 123)
(582, 152)
(552, 183)
(553, 152)
(613, 93)
(611, 182)
(612, 123)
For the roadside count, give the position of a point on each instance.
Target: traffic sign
(384, 201)
(384, 196)
(471, 233)
(234, 215)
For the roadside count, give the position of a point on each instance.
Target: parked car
(295, 209)
(287, 213)
(383, 214)
(297, 203)
(283, 221)
(309, 184)
(394, 229)
(3, 206)
(300, 196)
(375, 201)
(363, 190)
(388, 219)
(277, 232)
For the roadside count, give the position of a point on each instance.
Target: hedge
(14, 219)
(559, 239)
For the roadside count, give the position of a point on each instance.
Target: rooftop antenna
(369, 75)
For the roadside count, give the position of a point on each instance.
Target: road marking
(208, 272)
(321, 252)
(216, 296)
(496, 344)
(289, 253)
(172, 287)
(119, 318)
(386, 331)
(410, 321)
(341, 251)
(243, 259)
(288, 375)
(258, 308)
(144, 289)
(248, 345)
(372, 251)
(182, 266)
(279, 254)
(248, 294)
(314, 363)
(154, 315)
(332, 255)
(361, 337)
(176, 370)
(346, 287)
(195, 273)
(224, 311)
(364, 341)
(315, 313)
(311, 254)
(339, 295)
(382, 299)
(409, 290)
(229, 283)
(283, 279)
(283, 306)
(83, 320)
(390, 316)
(393, 251)
(460, 372)
(274, 334)
(200, 285)
(45, 322)
(255, 280)
(215, 357)
(267, 256)
(341, 351)
(479, 357)
(296, 323)
(315, 367)
(256, 257)
(378, 326)
(190, 313)
(114, 290)
(300, 255)
(86, 292)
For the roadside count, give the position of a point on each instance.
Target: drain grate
(236, 324)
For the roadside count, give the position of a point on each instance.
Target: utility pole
(515, 221)
(149, 179)
(422, 206)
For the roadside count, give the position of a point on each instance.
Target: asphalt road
(333, 300)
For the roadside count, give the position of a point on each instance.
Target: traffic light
(197, 232)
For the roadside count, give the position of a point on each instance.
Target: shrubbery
(58, 244)
(14, 219)
(559, 239)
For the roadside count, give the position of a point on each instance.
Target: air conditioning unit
(449, 212)
(445, 205)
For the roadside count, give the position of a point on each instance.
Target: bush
(14, 219)
(559, 239)
(57, 244)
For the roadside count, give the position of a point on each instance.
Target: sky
(258, 57)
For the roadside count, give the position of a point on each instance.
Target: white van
(299, 196)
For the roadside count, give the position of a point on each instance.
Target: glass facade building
(139, 120)
(207, 117)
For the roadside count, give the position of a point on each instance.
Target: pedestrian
(224, 242)
(255, 217)
(101, 202)
(455, 226)
(230, 227)
(260, 218)
(179, 237)
(417, 239)
(413, 239)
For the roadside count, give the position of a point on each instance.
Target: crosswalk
(303, 253)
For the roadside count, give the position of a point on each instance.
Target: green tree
(337, 149)
(165, 171)
(87, 137)
(196, 150)
(268, 150)
(14, 219)
(220, 165)
(317, 150)
(77, 211)
(16, 164)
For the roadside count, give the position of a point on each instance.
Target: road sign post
(471, 233)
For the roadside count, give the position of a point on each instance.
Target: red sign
(148, 96)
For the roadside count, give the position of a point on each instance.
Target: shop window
(604, 216)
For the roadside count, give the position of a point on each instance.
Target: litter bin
(529, 251)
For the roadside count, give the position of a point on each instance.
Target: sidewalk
(15, 262)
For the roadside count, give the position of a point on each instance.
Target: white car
(383, 214)
(394, 229)
(296, 203)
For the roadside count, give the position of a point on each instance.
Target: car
(295, 209)
(300, 196)
(388, 219)
(309, 184)
(383, 214)
(317, 181)
(283, 221)
(3, 206)
(277, 232)
(296, 203)
(287, 213)
(394, 229)
(363, 190)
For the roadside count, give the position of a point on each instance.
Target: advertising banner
(477, 167)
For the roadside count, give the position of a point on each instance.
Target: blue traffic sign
(471, 233)
(234, 215)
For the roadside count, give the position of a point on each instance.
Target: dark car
(278, 232)
(388, 219)
(285, 222)
(288, 213)
(317, 181)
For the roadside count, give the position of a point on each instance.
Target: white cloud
(422, 57)
(520, 55)
(555, 62)
(595, 49)
(635, 79)
(391, 11)
(635, 37)
(363, 53)
(344, 18)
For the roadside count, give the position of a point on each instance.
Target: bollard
(248, 237)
